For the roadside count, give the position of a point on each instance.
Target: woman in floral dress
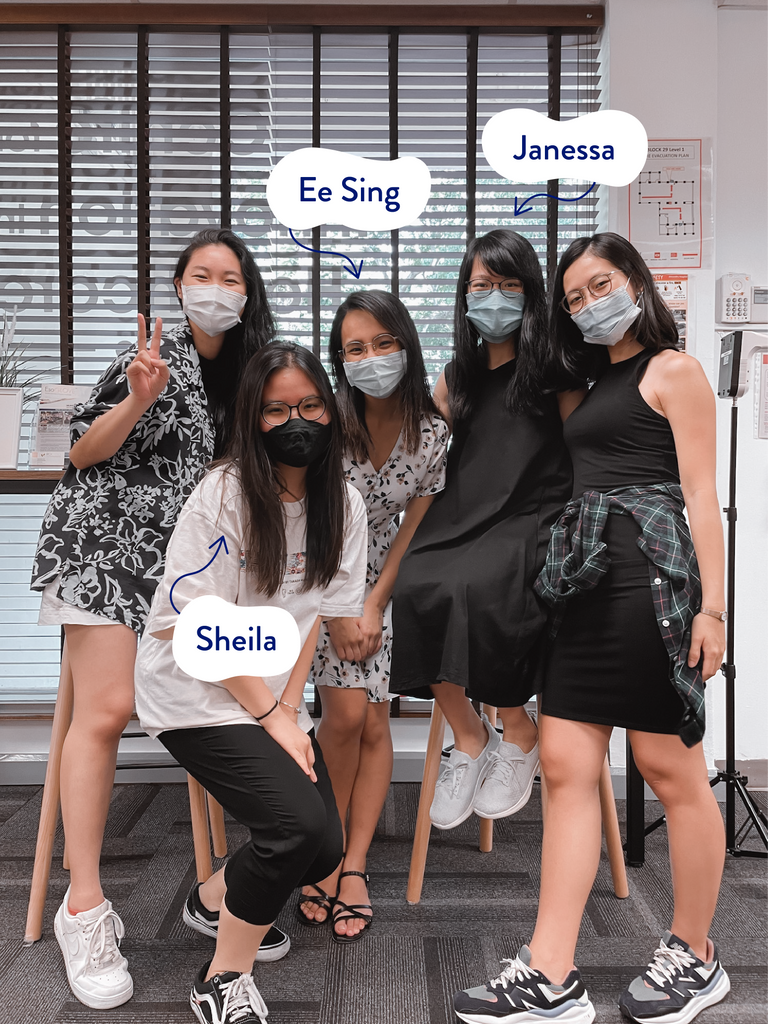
(395, 457)
(155, 419)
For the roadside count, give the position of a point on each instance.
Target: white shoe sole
(507, 812)
(708, 998)
(86, 997)
(579, 1013)
(264, 956)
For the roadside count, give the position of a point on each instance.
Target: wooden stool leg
(423, 824)
(218, 831)
(486, 824)
(612, 834)
(49, 811)
(200, 837)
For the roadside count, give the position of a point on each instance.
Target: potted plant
(14, 378)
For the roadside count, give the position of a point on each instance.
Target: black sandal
(349, 911)
(324, 901)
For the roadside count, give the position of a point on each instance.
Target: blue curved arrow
(216, 544)
(354, 271)
(523, 208)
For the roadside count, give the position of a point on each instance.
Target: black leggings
(295, 830)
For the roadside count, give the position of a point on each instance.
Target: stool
(201, 811)
(423, 824)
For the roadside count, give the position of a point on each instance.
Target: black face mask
(297, 442)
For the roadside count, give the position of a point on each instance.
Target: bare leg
(374, 774)
(518, 728)
(469, 734)
(237, 944)
(339, 736)
(102, 660)
(678, 776)
(572, 755)
(213, 890)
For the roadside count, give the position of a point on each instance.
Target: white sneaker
(457, 782)
(96, 970)
(506, 783)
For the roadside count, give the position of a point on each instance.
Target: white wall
(689, 70)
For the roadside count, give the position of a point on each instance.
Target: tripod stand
(735, 783)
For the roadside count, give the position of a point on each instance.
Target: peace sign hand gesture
(148, 373)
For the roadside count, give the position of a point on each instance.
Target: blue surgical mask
(606, 321)
(377, 376)
(495, 316)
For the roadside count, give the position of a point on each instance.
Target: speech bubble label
(215, 640)
(609, 146)
(312, 186)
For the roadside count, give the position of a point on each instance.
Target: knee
(376, 730)
(108, 721)
(344, 720)
(560, 773)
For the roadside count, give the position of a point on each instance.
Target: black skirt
(608, 663)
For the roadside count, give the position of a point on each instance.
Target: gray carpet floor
(476, 909)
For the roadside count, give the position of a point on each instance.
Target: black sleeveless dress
(608, 663)
(463, 607)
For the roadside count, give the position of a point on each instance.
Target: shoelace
(102, 938)
(515, 969)
(500, 767)
(667, 962)
(451, 776)
(241, 997)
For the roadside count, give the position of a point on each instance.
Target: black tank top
(615, 438)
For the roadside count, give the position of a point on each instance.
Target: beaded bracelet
(266, 713)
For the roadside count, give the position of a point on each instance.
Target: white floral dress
(386, 492)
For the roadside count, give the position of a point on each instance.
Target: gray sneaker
(457, 782)
(505, 785)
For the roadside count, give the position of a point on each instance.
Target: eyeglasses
(382, 343)
(482, 286)
(276, 413)
(600, 285)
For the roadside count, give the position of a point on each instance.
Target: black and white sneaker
(676, 985)
(273, 947)
(229, 998)
(521, 995)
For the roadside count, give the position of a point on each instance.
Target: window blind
(119, 143)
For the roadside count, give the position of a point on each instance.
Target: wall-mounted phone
(733, 299)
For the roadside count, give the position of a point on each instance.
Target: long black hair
(221, 375)
(510, 255)
(578, 362)
(326, 497)
(415, 393)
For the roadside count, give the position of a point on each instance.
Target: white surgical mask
(495, 316)
(212, 308)
(377, 376)
(606, 321)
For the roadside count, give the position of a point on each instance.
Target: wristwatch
(723, 616)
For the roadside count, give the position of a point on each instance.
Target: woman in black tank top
(636, 626)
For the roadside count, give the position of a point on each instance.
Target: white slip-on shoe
(97, 972)
(457, 782)
(507, 781)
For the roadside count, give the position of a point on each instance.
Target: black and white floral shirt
(106, 528)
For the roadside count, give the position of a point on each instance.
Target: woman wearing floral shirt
(157, 416)
(395, 457)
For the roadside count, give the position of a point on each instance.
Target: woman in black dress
(466, 619)
(637, 627)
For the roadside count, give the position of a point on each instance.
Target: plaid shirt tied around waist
(577, 561)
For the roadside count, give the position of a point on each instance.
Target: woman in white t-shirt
(296, 539)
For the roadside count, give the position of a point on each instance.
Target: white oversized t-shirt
(168, 698)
